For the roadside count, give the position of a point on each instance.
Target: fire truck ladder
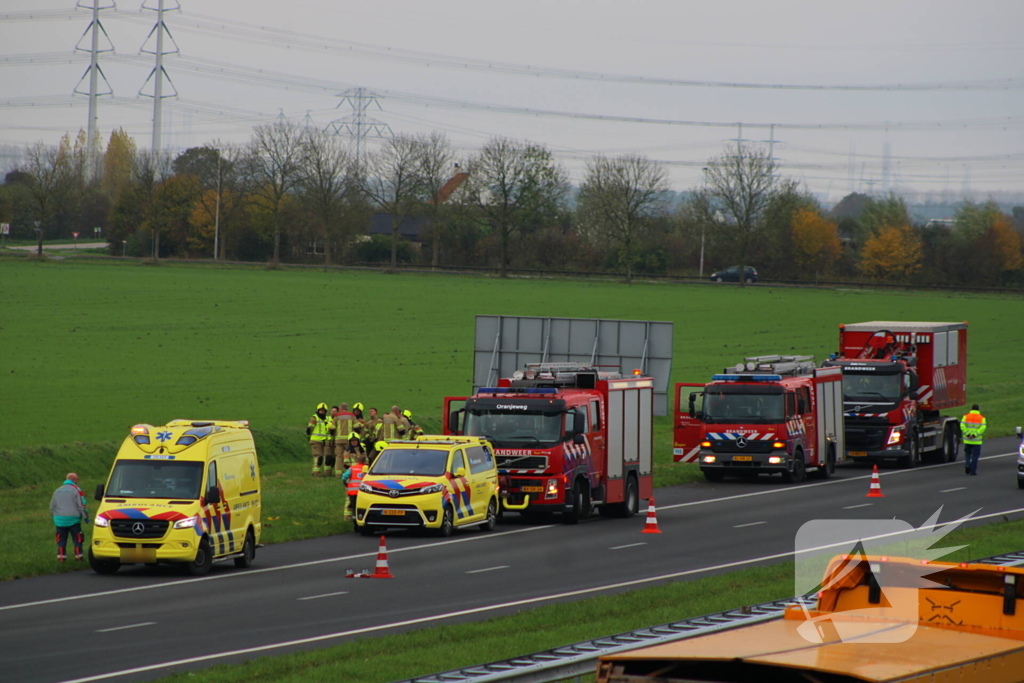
(579, 659)
(776, 365)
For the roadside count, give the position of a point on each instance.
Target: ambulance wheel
(951, 443)
(203, 560)
(574, 509)
(447, 524)
(248, 551)
(799, 471)
(103, 566)
(366, 530)
(491, 520)
(714, 476)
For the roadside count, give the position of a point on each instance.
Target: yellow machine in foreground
(187, 492)
(963, 625)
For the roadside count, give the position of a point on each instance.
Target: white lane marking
(740, 526)
(854, 507)
(489, 569)
(804, 487)
(122, 628)
(958, 488)
(506, 605)
(254, 572)
(323, 595)
(628, 545)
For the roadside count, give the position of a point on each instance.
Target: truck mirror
(578, 439)
(461, 472)
(693, 404)
(453, 422)
(912, 395)
(99, 487)
(212, 495)
(578, 423)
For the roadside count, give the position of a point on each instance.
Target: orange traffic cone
(651, 527)
(875, 490)
(382, 571)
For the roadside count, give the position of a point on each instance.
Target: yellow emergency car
(187, 492)
(433, 482)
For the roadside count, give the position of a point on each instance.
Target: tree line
(299, 195)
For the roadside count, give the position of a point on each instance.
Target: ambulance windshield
(419, 462)
(520, 427)
(736, 407)
(156, 479)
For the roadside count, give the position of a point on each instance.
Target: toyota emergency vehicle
(431, 482)
(570, 436)
(769, 414)
(187, 492)
(897, 376)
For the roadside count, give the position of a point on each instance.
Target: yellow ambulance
(187, 492)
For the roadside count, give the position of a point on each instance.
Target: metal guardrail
(579, 659)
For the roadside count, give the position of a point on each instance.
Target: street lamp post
(124, 248)
(39, 232)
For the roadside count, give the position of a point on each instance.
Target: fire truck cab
(768, 414)
(567, 437)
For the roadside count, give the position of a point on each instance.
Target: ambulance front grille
(139, 528)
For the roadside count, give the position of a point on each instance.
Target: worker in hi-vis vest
(972, 428)
(319, 430)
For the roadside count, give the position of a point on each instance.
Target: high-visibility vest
(388, 428)
(321, 428)
(345, 424)
(355, 477)
(973, 426)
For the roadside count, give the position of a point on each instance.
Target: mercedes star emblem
(138, 528)
(741, 442)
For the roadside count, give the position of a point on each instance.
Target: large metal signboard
(505, 343)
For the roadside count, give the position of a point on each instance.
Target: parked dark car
(732, 274)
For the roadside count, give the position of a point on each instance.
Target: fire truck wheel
(574, 508)
(951, 443)
(447, 524)
(714, 476)
(828, 469)
(914, 459)
(799, 471)
(492, 517)
(631, 504)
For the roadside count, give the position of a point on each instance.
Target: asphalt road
(144, 623)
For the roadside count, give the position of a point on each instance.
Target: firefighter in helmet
(320, 429)
(346, 453)
(344, 424)
(413, 431)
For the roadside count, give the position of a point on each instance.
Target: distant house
(413, 228)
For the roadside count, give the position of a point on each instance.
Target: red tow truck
(769, 414)
(897, 376)
(567, 437)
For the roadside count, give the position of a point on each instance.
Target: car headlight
(433, 488)
(366, 488)
(101, 521)
(895, 436)
(186, 523)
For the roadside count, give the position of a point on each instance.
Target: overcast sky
(551, 72)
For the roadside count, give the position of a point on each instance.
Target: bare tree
(274, 164)
(435, 169)
(618, 199)
(393, 182)
(515, 186)
(327, 175)
(739, 188)
(149, 170)
(49, 171)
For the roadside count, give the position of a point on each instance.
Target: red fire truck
(769, 414)
(896, 378)
(567, 437)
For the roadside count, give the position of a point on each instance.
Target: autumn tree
(274, 165)
(619, 198)
(118, 161)
(738, 190)
(393, 182)
(327, 175)
(984, 243)
(894, 253)
(815, 241)
(1004, 244)
(435, 168)
(515, 185)
(878, 214)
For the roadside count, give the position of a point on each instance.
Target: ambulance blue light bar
(517, 390)
(746, 378)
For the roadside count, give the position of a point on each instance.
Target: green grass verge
(440, 648)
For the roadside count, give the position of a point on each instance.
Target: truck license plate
(743, 458)
(858, 454)
(532, 489)
(395, 513)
